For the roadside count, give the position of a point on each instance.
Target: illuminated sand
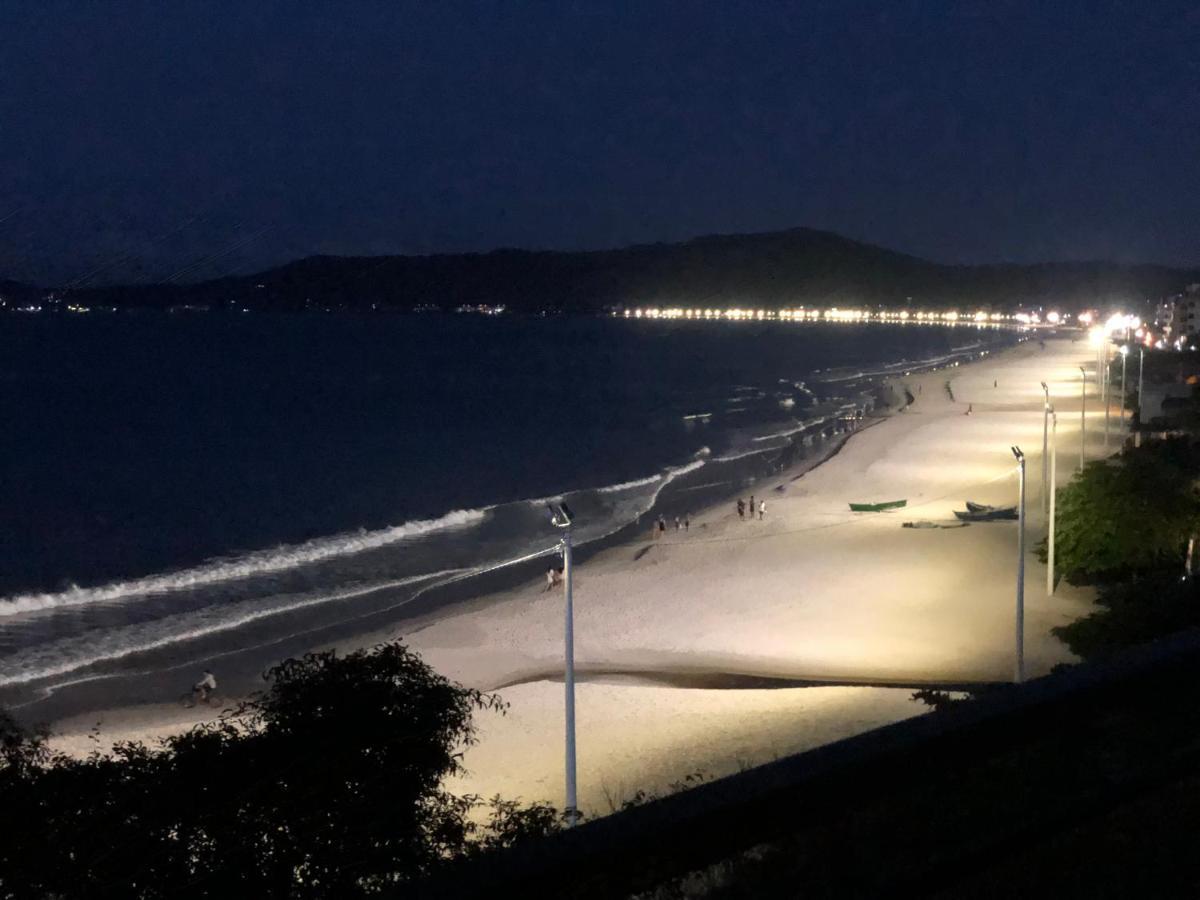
(814, 593)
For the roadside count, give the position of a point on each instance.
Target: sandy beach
(738, 641)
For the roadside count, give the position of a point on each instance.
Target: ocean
(227, 490)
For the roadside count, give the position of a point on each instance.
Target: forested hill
(776, 269)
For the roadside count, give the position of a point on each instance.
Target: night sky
(143, 140)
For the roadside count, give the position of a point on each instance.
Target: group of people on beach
(659, 528)
(746, 510)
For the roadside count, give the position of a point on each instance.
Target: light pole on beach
(1045, 429)
(1019, 671)
(1082, 415)
(1107, 399)
(1141, 365)
(561, 517)
(1053, 487)
(1124, 356)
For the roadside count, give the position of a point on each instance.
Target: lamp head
(1016, 452)
(560, 515)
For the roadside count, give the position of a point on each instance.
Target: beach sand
(689, 650)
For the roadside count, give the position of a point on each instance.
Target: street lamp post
(1045, 430)
(1107, 399)
(1053, 490)
(1137, 435)
(1082, 416)
(1019, 670)
(1141, 365)
(561, 517)
(1124, 356)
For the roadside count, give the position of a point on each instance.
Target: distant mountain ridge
(799, 266)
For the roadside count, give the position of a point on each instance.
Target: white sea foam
(628, 485)
(676, 471)
(742, 454)
(261, 562)
(88, 649)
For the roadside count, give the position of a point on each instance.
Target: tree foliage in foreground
(329, 784)
(1132, 613)
(1130, 516)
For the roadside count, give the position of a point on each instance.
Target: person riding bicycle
(205, 687)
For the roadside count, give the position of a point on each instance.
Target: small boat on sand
(878, 507)
(992, 514)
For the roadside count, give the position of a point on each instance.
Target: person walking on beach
(970, 409)
(741, 507)
(687, 523)
(203, 689)
(678, 524)
(762, 509)
(662, 526)
(751, 507)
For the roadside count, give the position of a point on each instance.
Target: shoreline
(809, 444)
(509, 639)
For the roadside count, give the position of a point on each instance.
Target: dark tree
(327, 785)
(1128, 516)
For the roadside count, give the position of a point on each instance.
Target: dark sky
(138, 138)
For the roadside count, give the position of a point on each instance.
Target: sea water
(226, 490)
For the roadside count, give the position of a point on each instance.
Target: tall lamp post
(1082, 415)
(1019, 670)
(1107, 399)
(561, 517)
(1045, 430)
(1141, 366)
(1137, 435)
(1053, 490)
(1124, 356)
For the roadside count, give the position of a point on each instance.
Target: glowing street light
(1019, 669)
(1053, 489)
(561, 517)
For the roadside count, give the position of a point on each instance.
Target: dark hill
(799, 266)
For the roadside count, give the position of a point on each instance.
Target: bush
(1133, 613)
(1135, 516)
(327, 785)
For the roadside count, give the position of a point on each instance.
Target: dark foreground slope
(1080, 784)
(777, 269)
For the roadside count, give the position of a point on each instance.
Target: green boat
(877, 507)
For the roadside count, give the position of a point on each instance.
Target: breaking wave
(260, 562)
